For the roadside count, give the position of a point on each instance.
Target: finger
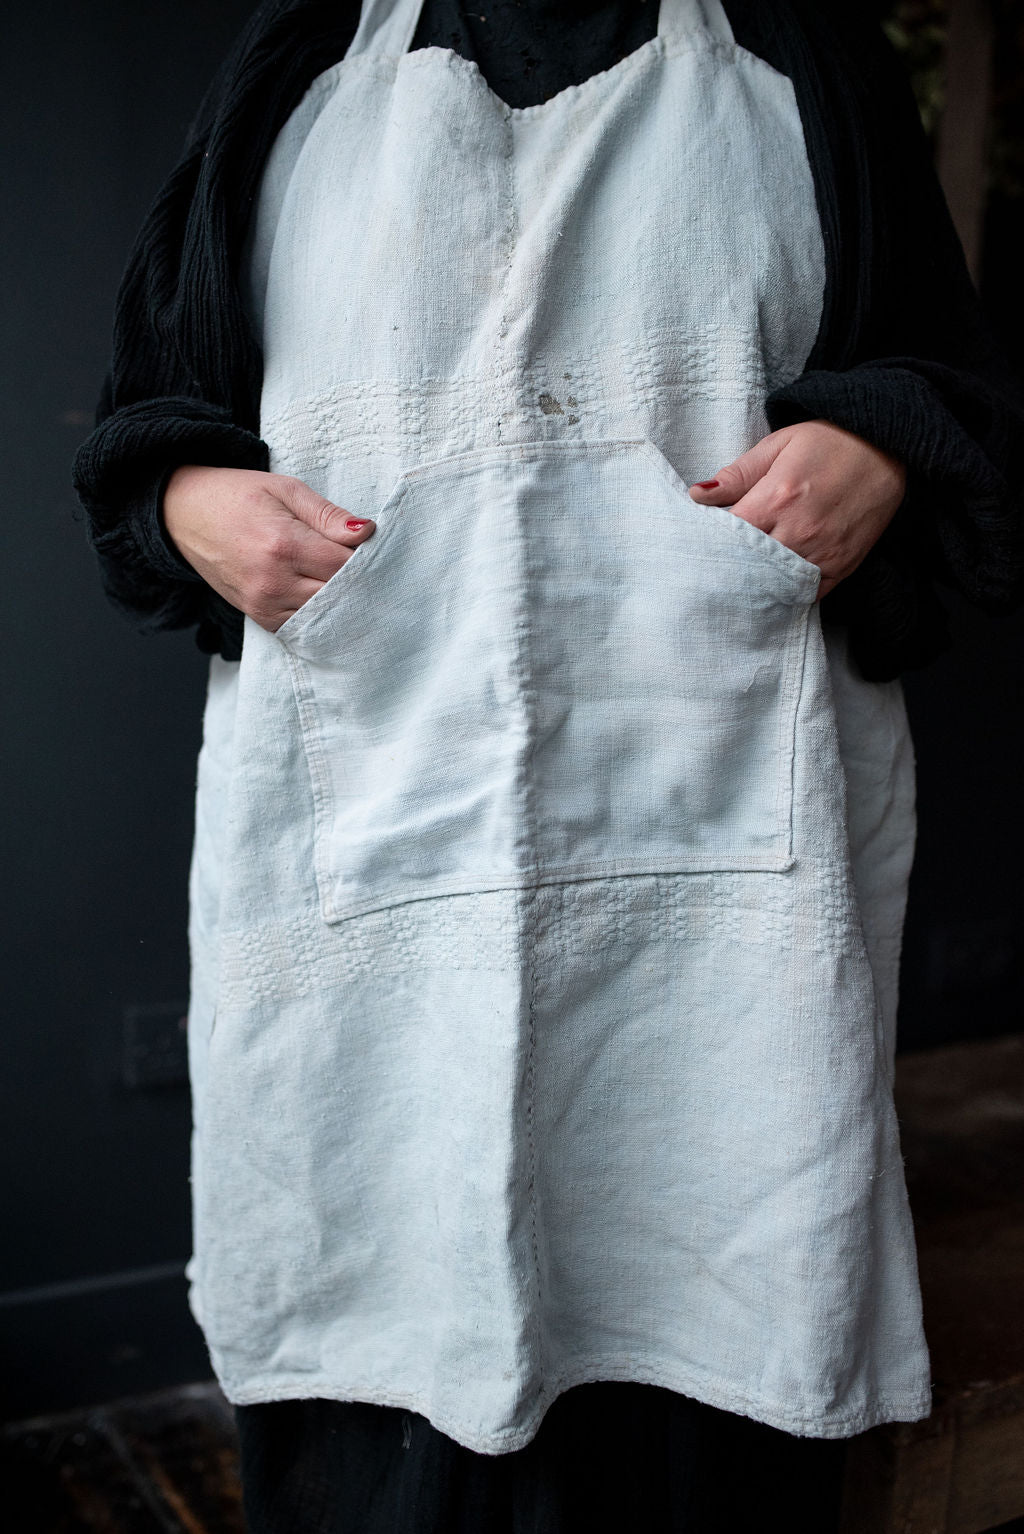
(830, 580)
(739, 477)
(318, 513)
(299, 592)
(274, 608)
(760, 508)
(319, 556)
(301, 587)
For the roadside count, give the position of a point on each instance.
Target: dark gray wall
(963, 964)
(102, 729)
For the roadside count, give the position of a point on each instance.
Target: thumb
(314, 509)
(730, 484)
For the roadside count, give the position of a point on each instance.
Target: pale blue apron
(543, 980)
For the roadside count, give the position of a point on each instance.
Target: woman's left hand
(824, 492)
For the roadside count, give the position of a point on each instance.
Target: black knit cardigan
(903, 357)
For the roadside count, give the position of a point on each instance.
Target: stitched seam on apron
(530, 935)
(319, 783)
(510, 247)
(528, 905)
(793, 689)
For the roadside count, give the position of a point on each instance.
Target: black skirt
(607, 1457)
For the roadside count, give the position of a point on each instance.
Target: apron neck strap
(386, 27)
(687, 15)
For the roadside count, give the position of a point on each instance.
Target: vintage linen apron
(543, 977)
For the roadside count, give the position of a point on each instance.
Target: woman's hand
(266, 542)
(824, 492)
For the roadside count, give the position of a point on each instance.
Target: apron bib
(550, 861)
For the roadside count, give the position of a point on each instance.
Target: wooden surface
(961, 1114)
(162, 1464)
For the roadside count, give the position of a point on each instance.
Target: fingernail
(355, 523)
(706, 484)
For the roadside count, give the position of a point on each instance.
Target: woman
(551, 858)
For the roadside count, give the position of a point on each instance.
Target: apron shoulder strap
(689, 15)
(386, 27)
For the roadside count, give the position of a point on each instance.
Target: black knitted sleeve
(186, 370)
(906, 357)
(154, 413)
(120, 473)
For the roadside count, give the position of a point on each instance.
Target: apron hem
(902, 1408)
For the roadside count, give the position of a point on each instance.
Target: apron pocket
(549, 664)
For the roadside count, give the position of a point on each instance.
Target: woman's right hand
(266, 542)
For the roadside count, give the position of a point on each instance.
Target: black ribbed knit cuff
(120, 473)
(962, 523)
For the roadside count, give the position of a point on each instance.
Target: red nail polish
(355, 523)
(707, 484)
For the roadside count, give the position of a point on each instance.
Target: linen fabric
(903, 357)
(543, 981)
